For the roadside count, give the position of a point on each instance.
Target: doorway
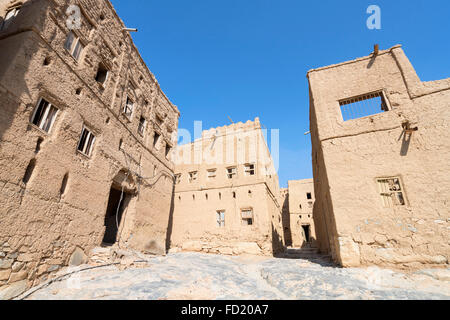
(116, 206)
(306, 229)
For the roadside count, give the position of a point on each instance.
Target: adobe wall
(197, 202)
(41, 228)
(351, 221)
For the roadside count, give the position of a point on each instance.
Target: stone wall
(349, 157)
(54, 198)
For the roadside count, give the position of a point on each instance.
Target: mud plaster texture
(41, 227)
(197, 202)
(348, 156)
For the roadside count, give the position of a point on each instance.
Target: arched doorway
(121, 193)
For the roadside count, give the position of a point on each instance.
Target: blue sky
(249, 58)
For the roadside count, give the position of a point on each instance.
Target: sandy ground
(204, 276)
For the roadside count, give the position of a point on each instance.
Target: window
(363, 106)
(193, 176)
(247, 217)
(9, 17)
(249, 169)
(156, 139)
(220, 218)
(86, 142)
(391, 192)
(44, 115)
(128, 108)
(212, 173)
(231, 172)
(158, 119)
(141, 126)
(73, 45)
(168, 148)
(309, 195)
(102, 74)
(177, 178)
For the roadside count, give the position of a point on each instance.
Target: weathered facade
(227, 197)
(298, 222)
(85, 140)
(381, 178)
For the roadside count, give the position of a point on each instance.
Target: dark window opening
(309, 195)
(168, 148)
(29, 171)
(38, 145)
(47, 61)
(156, 139)
(102, 74)
(363, 106)
(234, 195)
(62, 190)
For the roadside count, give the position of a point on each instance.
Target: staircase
(307, 253)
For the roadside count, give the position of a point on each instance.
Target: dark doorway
(115, 206)
(306, 230)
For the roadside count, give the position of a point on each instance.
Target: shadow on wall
(277, 242)
(16, 53)
(286, 219)
(405, 143)
(170, 224)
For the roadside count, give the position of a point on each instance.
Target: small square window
(128, 108)
(249, 169)
(44, 115)
(141, 126)
(220, 215)
(391, 192)
(247, 217)
(231, 172)
(156, 140)
(86, 143)
(193, 176)
(309, 195)
(363, 106)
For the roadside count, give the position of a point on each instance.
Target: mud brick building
(381, 150)
(85, 140)
(227, 197)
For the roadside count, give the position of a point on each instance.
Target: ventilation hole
(193, 197)
(234, 195)
(29, 171)
(38, 145)
(179, 198)
(62, 190)
(120, 144)
(206, 196)
(220, 196)
(102, 17)
(107, 120)
(47, 61)
(78, 91)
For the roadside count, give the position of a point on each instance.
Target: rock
(77, 258)
(42, 269)
(226, 250)
(248, 248)
(6, 263)
(13, 255)
(53, 268)
(55, 262)
(13, 290)
(17, 266)
(17, 276)
(2, 254)
(4, 275)
(25, 257)
(192, 246)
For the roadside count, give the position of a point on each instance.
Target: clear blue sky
(249, 58)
